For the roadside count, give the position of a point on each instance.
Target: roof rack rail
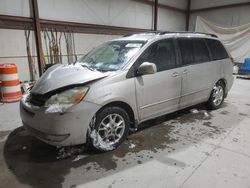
(187, 32)
(170, 32)
(148, 32)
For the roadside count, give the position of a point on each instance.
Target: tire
(109, 130)
(217, 96)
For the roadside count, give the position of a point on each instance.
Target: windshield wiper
(106, 70)
(92, 69)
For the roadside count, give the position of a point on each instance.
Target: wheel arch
(124, 106)
(224, 81)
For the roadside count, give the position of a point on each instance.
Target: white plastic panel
(182, 4)
(198, 4)
(125, 13)
(169, 20)
(15, 7)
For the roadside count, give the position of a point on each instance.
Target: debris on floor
(131, 146)
(194, 111)
(205, 113)
(79, 157)
(66, 152)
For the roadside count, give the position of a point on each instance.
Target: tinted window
(200, 51)
(162, 54)
(217, 49)
(185, 46)
(193, 51)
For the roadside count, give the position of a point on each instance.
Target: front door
(159, 93)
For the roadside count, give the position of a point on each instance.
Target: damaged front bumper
(59, 129)
(46, 136)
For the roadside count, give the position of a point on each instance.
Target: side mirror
(146, 68)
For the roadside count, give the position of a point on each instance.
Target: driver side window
(162, 53)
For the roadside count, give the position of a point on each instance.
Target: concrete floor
(184, 149)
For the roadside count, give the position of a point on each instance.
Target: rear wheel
(217, 96)
(110, 129)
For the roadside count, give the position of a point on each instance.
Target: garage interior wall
(122, 13)
(226, 17)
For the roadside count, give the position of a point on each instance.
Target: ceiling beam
(220, 7)
(22, 23)
(15, 18)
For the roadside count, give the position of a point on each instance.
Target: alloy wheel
(111, 129)
(218, 94)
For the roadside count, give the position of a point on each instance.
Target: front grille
(37, 100)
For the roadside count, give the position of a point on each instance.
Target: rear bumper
(230, 82)
(69, 128)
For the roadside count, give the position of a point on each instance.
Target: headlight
(61, 101)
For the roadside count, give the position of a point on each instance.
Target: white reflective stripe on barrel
(10, 89)
(8, 77)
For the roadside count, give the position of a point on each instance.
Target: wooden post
(155, 14)
(188, 14)
(37, 30)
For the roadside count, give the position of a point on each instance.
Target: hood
(59, 76)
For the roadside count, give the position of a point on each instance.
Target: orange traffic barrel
(10, 84)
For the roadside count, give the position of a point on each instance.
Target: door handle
(175, 74)
(185, 71)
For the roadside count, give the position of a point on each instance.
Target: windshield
(111, 56)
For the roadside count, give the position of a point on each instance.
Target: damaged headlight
(61, 101)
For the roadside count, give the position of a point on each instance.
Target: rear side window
(193, 50)
(162, 53)
(217, 49)
(200, 51)
(186, 51)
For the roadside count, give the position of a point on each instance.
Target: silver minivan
(124, 82)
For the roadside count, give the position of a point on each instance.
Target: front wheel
(217, 96)
(110, 129)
